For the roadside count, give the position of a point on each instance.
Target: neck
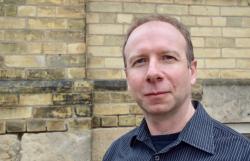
(170, 123)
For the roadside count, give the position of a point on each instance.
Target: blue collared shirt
(202, 139)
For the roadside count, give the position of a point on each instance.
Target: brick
(73, 36)
(24, 61)
(235, 74)
(96, 62)
(16, 113)
(54, 48)
(243, 63)
(109, 121)
(76, 24)
(10, 10)
(45, 2)
(13, 1)
(172, 9)
(95, 40)
(219, 42)
(92, 17)
(26, 11)
(206, 31)
(121, 97)
(12, 74)
(204, 10)
(220, 63)
(125, 18)
(76, 48)
(113, 40)
(204, 21)
(79, 124)
(222, 2)
(1, 35)
(2, 127)
(112, 29)
(52, 112)
(104, 7)
(110, 109)
(71, 98)
(70, 12)
(101, 97)
(236, 32)
(139, 8)
(114, 63)
(234, 21)
(104, 51)
(36, 99)
(47, 74)
(127, 120)
(207, 52)
(46, 23)
(245, 22)
(24, 35)
(83, 110)
(75, 73)
(8, 99)
(157, 1)
(198, 42)
(65, 60)
(13, 48)
(46, 11)
(236, 53)
(15, 126)
(104, 74)
(235, 11)
(188, 20)
(10, 23)
(56, 125)
(35, 125)
(134, 109)
(189, 1)
(208, 74)
(138, 120)
(34, 48)
(96, 122)
(242, 42)
(219, 21)
(82, 86)
(200, 63)
(74, 2)
(108, 18)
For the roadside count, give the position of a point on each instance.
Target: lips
(156, 93)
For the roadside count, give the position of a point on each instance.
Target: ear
(193, 71)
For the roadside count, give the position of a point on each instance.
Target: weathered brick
(26, 11)
(113, 29)
(73, 36)
(108, 18)
(207, 52)
(47, 74)
(138, 119)
(220, 63)
(245, 22)
(92, 17)
(204, 21)
(79, 124)
(74, 2)
(236, 32)
(104, 51)
(189, 1)
(10, 10)
(55, 48)
(24, 35)
(104, 74)
(125, 18)
(96, 122)
(127, 120)
(75, 73)
(36, 99)
(206, 31)
(243, 63)
(204, 10)
(70, 12)
(200, 63)
(12, 74)
(16, 113)
(56, 125)
(95, 40)
(46, 11)
(109, 121)
(157, 1)
(76, 48)
(114, 63)
(139, 8)
(8, 99)
(110, 109)
(208, 73)
(236, 53)
(188, 20)
(24, 61)
(15, 126)
(2, 127)
(219, 42)
(65, 61)
(172, 9)
(104, 7)
(113, 40)
(235, 11)
(46, 23)
(134, 108)
(198, 41)
(235, 74)
(7, 48)
(52, 112)
(82, 86)
(96, 62)
(101, 97)
(234, 21)
(120, 97)
(219, 21)
(35, 125)
(71, 98)
(76, 24)
(34, 48)
(83, 110)
(45, 2)
(242, 42)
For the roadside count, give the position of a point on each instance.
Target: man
(160, 69)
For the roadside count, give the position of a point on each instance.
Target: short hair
(172, 21)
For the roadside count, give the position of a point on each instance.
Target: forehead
(153, 32)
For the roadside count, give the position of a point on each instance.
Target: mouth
(156, 93)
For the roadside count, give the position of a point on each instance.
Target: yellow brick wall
(220, 31)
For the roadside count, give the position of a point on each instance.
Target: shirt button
(157, 158)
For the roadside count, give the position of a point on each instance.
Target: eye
(139, 62)
(168, 58)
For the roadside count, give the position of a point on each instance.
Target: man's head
(158, 69)
(174, 22)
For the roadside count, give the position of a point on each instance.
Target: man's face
(157, 70)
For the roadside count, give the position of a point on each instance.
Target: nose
(154, 73)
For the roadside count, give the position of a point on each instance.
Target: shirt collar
(198, 132)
